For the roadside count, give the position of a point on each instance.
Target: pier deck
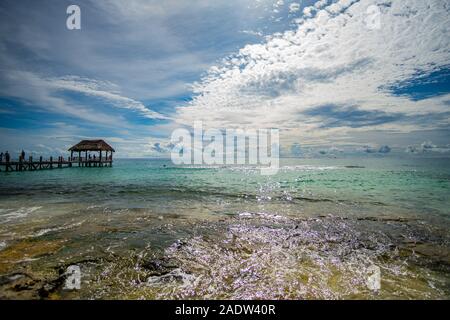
(52, 164)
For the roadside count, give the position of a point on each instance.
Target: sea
(362, 227)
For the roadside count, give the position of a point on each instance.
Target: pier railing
(60, 162)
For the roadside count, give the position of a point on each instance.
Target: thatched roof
(92, 145)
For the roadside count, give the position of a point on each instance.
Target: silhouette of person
(7, 156)
(1, 157)
(23, 155)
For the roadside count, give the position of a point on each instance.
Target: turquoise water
(310, 231)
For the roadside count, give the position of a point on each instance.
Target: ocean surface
(147, 229)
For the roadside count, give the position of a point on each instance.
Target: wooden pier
(52, 164)
(84, 146)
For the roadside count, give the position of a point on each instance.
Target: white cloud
(40, 93)
(43, 93)
(320, 4)
(308, 11)
(331, 58)
(294, 7)
(278, 3)
(103, 90)
(427, 147)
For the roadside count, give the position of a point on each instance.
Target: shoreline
(240, 257)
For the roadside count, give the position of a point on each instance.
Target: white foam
(14, 214)
(308, 168)
(64, 227)
(261, 215)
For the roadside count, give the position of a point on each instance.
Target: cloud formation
(102, 90)
(428, 147)
(327, 79)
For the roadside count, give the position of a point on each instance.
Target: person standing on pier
(22, 154)
(7, 156)
(1, 157)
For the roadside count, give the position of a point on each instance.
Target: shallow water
(145, 229)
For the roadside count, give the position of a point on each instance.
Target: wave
(55, 229)
(326, 258)
(7, 215)
(257, 167)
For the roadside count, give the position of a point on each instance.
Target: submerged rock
(18, 286)
(25, 286)
(24, 251)
(158, 267)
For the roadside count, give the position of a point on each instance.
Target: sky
(335, 77)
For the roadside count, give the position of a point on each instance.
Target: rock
(18, 286)
(158, 267)
(51, 286)
(433, 251)
(25, 250)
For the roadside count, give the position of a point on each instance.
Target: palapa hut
(88, 146)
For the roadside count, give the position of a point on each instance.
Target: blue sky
(320, 71)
